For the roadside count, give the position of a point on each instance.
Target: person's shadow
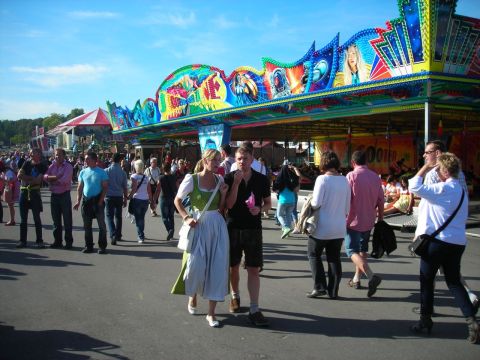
(53, 345)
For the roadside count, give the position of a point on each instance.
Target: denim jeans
(315, 249)
(285, 214)
(61, 206)
(99, 213)
(30, 200)
(140, 207)
(168, 210)
(114, 206)
(448, 256)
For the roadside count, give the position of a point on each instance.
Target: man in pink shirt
(366, 205)
(59, 178)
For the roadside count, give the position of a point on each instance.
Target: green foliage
(20, 131)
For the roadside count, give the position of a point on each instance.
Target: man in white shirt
(433, 150)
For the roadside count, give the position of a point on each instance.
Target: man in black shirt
(247, 198)
(31, 177)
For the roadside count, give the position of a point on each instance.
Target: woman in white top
(446, 250)
(141, 195)
(205, 268)
(331, 196)
(153, 173)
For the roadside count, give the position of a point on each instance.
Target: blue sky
(60, 55)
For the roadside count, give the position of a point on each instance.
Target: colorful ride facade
(420, 72)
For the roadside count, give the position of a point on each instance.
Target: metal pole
(427, 113)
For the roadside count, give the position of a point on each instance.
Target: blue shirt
(92, 181)
(287, 196)
(117, 180)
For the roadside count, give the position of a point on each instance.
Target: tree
(74, 113)
(53, 120)
(18, 139)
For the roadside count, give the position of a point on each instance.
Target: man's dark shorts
(248, 241)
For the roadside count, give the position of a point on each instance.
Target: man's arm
(79, 195)
(233, 190)
(104, 192)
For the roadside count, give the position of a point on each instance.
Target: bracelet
(186, 217)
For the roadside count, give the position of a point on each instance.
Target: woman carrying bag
(446, 204)
(205, 268)
(140, 196)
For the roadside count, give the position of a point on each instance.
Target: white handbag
(186, 233)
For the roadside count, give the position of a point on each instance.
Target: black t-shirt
(34, 170)
(168, 183)
(239, 217)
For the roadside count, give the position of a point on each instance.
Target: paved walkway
(60, 304)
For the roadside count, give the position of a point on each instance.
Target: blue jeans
(315, 249)
(356, 242)
(140, 207)
(448, 256)
(30, 200)
(114, 206)
(61, 206)
(285, 214)
(168, 210)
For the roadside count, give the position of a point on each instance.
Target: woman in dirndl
(205, 268)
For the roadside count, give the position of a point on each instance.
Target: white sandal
(211, 322)
(192, 310)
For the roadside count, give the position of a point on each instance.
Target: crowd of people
(224, 199)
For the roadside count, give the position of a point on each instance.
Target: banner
(213, 136)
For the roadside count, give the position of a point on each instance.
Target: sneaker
(102, 251)
(87, 250)
(140, 241)
(316, 294)
(373, 284)
(21, 244)
(258, 319)
(40, 245)
(170, 235)
(234, 305)
(286, 232)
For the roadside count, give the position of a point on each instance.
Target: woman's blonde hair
(451, 163)
(139, 166)
(198, 166)
(210, 154)
(361, 68)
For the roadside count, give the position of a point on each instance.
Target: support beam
(427, 118)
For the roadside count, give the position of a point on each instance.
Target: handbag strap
(445, 224)
(211, 197)
(138, 187)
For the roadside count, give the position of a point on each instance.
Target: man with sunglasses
(433, 150)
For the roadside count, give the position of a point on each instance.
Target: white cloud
(223, 23)
(15, 109)
(93, 14)
(274, 21)
(54, 76)
(178, 19)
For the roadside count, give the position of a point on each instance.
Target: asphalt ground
(63, 304)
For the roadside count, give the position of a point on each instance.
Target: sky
(59, 55)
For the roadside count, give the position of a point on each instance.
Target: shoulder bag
(130, 203)
(419, 246)
(186, 233)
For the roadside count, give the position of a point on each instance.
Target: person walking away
(331, 201)
(287, 184)
(205, 267)
(92, 188)
(141, 195)
(11, 191)
(116, 198)
(245, 228)
(440, 201)
(168, 191)
(366, 204)
(153, 173)
(31, 177)
(59, 177)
